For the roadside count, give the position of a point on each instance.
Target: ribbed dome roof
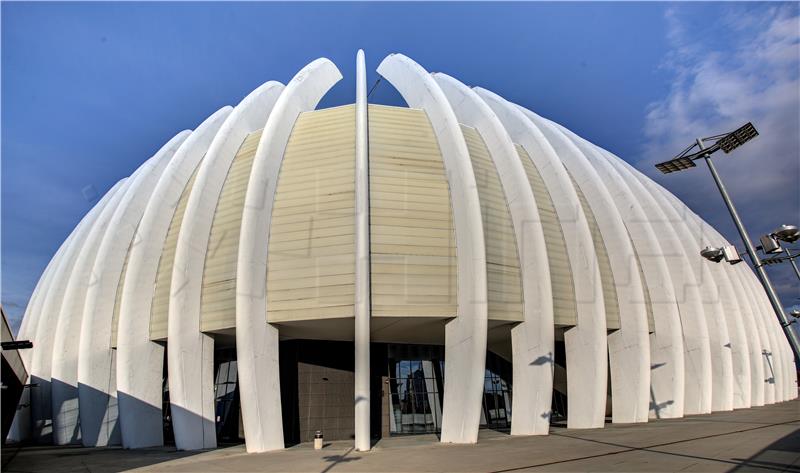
(463, 220)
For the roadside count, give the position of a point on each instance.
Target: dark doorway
(226, 394)
(497, 393)
(317, 390)
(416, 388)
(169, 435)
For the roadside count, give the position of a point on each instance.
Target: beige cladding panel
(502, 261)
(610, 301)
(311, 258)
(218, 298)
(160, 306)
(118, 299)
(564, 307)
(412, 240)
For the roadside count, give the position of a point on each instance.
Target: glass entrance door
(416, 397)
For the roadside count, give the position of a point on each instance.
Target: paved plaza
(757, 439)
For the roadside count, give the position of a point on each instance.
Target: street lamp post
(727, 143)
(792, 261)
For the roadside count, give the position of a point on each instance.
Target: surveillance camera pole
(762, 274)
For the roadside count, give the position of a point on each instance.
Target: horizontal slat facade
(159, 312)
(502, 261)
(610, 301)
(311, 260)
(412, 239)
(218, 298)
(564, 307)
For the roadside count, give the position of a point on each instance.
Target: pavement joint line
(627, 449)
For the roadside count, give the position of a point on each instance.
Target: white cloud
(746, 67)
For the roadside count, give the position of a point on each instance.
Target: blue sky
(90, 90)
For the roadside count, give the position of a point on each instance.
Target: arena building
(369, 270)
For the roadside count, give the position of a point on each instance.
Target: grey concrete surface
(757, 439)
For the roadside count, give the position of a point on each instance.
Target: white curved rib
(23, 417)
(65, 344)
(717, 387)
(66, 425)
(628, 347)
(139, 361)
(46, 310)
(667, 372)
(754, 337)
(747, 307)
(718, 332)
(30, 320)
(256, 340)
(465, 336)
(362, 309)
(195, 428)
(96, 359)
(765, 394)
(730, 310)
(693, 322)
(532, 340)
(752, 289)
(780, 367)
(586, 345)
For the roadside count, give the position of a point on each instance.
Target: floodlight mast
(791, 258)
(751, 251)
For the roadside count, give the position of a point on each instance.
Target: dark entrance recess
(317, 390)
(169, 436)
(407, 390)
(559, 408)
(416, 388)
(497, 393)
(226, 394)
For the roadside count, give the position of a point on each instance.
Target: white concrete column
(67, 337)
(751, 329)
(692, 312)
(362, 308)
(191, 359)
(718, 333)
(465, 336)
(21, 425)
(256, 339)
(97, 393)
(586, 343)
(754, 289)
(64, 401)
(139, 365)
(532, 341)
(628, 347)
(45, 309)
(777, 337)
(754, 336)
(731, 313)
(667, 374)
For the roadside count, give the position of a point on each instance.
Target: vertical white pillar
(362, 289)
(256, 339)
(465, 335)
(533, 339)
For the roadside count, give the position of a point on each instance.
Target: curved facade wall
(484, 230)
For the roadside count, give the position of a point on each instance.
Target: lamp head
(737, 138)
(712, 254)
(787, 233)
